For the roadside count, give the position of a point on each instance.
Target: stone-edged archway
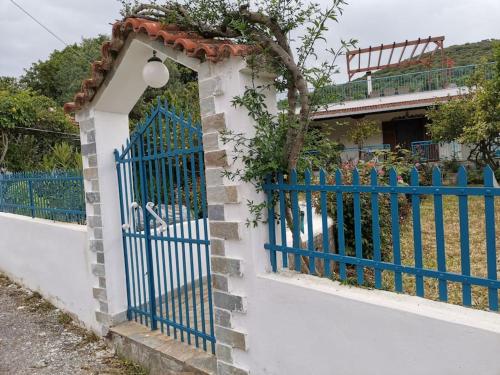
(102, 109)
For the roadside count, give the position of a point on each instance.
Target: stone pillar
(102, 132)
(233, 263)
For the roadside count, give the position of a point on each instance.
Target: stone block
(103, 318)
(96, 209)
(91, 136)
(97, 233)
(217, 246)
(96, 245)
(88, 149)
(228, 301)
(226, 266)
(100, 257)
(94, 221)
(213, 176)
(98, 270)
(102, 282)
(208, 87)
(103, 307)
(207, 106)
(216, 212)
(93, 197)
(224, 353)
(230, 337)
(90, 173)
(210, 141)
(217, 158)
(222, 194)
(92, 160)
(99, 294)
(220, 282)
(224, 229)
(213, 123)
(228, 369)
(222, 318)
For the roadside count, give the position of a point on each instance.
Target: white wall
(300, 324)
(51, 258)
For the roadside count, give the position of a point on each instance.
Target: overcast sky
(372, 22)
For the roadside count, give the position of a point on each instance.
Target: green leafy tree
(473, 119)
(60, 76)
(29, 125)
(280, 140)
(361, 131)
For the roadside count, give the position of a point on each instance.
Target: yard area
(452, 248)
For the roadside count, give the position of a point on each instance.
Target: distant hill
(462, 54)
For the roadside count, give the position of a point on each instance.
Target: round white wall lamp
(155, 73)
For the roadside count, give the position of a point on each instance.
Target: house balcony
(417, 82)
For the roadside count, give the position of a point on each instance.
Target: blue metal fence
(325, 242)
(55, 196)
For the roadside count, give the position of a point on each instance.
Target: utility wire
(76, 136)
(48, 30)
(38, 22)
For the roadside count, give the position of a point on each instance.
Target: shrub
(403, 168)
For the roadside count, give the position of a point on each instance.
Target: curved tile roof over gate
(191, 43)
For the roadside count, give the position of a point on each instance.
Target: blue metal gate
(165, 231)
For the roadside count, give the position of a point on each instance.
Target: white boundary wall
(301, 324)
(52, 259)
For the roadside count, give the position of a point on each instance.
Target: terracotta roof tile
(191, 43)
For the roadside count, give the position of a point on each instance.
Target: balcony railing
(425, 150)
(429, 80)
(366, 153)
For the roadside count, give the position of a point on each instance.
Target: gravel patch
(37, 338)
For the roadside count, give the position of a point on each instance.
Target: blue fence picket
(324, 224)
(417, 231)
(296, 218)
(340, 224)
(440, 240)
(464, 236)
(358, 237)
(310, 229)
(272, 227)
(491, 255)
(282, 218)
(377, 255)
(396, 240)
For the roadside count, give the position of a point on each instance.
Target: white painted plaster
(111, 131)
(51, 258)
(354, 105)
(302, 324)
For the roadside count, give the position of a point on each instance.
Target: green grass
(477, 236)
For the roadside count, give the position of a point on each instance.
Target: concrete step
(159, 353)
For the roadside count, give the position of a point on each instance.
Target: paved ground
(36, 338)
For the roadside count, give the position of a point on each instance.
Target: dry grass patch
(477, 240)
